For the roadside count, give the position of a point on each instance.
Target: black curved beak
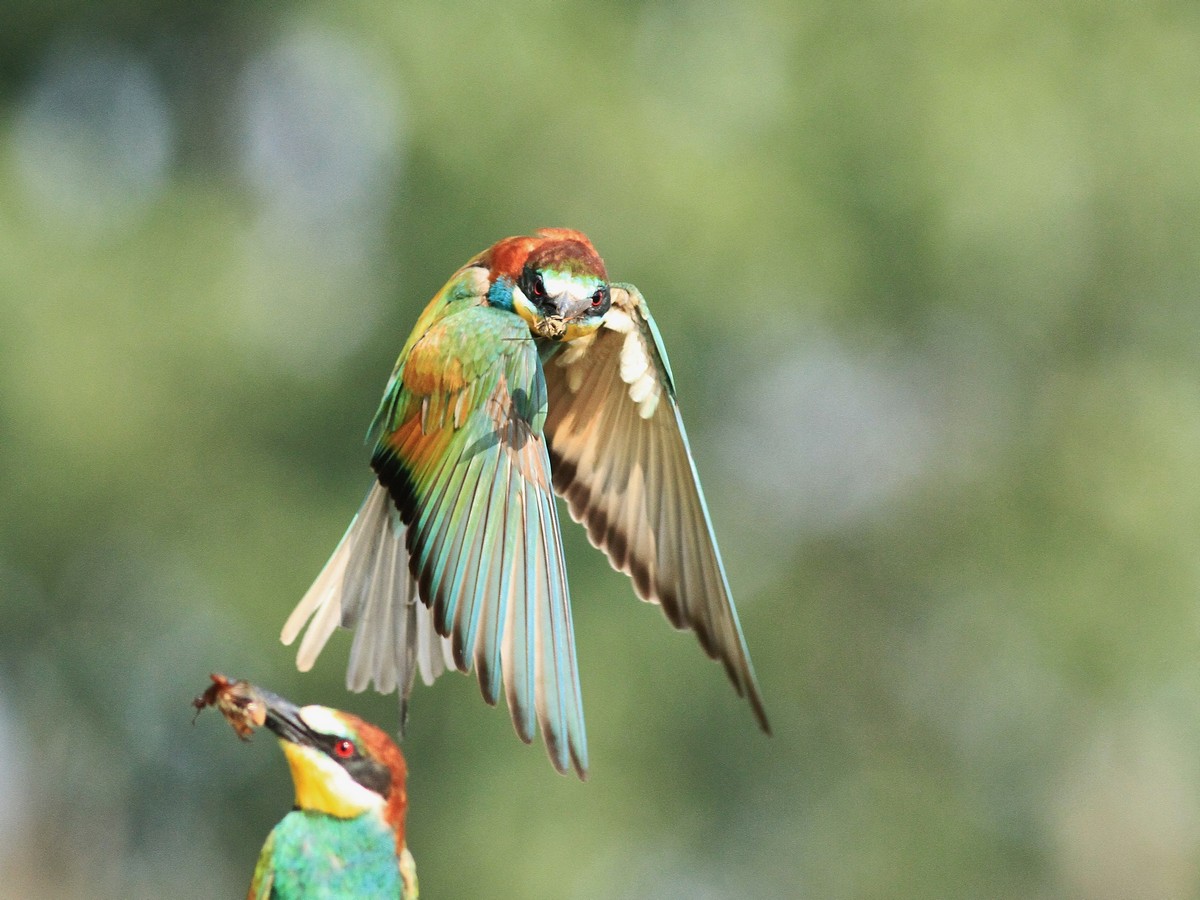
(283, 718)
(569, 308)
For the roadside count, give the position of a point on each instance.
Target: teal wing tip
(566, 753)
(746, 685)
(579, 759)
(575, 760)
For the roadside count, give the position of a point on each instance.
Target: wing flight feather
(621, 460)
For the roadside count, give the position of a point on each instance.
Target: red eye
(539, 287)
(343, 749)
(597, 298)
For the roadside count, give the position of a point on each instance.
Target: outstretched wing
(461, 534)
(464, 459)
(620, 458)
(366, 584)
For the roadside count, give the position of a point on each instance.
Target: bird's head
(554, 280)
(341, 765)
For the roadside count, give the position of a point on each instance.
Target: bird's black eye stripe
(371, 774)
(532, 285)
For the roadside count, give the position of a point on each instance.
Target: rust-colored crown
(558, 249)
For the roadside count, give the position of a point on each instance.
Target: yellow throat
(323, 786)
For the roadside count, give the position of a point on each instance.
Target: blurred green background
(928, 276)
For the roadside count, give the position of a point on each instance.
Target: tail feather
(367, 586)
(372, 534)
(325, 591)
(323, 604)
(366, 601)
(373, 653)
(434, 654)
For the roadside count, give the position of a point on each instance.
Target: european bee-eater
(528, 374)
(345, 838)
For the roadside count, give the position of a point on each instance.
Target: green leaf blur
(928, 276)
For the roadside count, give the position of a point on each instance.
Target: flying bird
(346, 835)
(529, 374)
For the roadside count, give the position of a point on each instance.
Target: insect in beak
(552, 327)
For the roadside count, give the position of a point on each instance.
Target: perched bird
(345, 838)
(528, 374)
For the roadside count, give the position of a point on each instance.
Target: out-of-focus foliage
(928, 274)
